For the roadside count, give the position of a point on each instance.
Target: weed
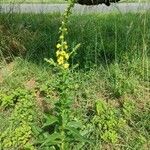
(106, 122)
(62, 128)
(19, 134)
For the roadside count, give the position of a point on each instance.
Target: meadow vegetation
(101, 102)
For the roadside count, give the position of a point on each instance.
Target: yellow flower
(63, 53)
(65, 29)
(66, 47)
(65, 43)
(57, 53)
(58, 45)
(60, 60)
(61, 37)
(67, 56)
(66, 66)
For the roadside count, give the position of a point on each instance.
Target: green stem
(63, 133)
(63, 33)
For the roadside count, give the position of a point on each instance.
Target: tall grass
(103, 38)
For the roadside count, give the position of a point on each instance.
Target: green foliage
(105, 38)
(103, 124)
(73, 115)
(10, 46)
(128, 109)
(19, 133)
(107, 122)
(120, 81)
(6, 101)
(60, 127)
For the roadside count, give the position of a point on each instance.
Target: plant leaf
(49, 120)
(52, 139)
(76, 134)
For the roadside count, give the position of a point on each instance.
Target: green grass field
(109, 90)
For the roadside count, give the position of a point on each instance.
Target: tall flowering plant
(65, 125)
(62, 48)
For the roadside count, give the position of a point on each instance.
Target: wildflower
(60, 60)
(65, 46)
(58, 45)
(61, 37)
(64, 54)
(65, 29)
(67, 56)
(66, 66)
(57, 53)
(65, 43)
(62, 47)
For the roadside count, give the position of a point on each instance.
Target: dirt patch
(30, 84)
(42, 104)
(7, 69)
(10, 66)
(1, 78)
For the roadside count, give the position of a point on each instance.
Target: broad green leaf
(100, 107)
(36, 130)
(52, 139)
(49, 120)
(74, 124)
(76, 134)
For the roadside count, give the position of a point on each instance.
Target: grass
(36, 35)
(113, 63)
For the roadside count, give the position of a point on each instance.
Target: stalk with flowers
(64, 130)
(62, 53)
